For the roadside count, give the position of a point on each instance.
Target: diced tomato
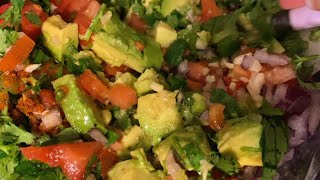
(84, 19)
(198, 70)
(137, 23)
(123, 96)
(93, 86)
(71, 157)
(47, 98)
(209, 10)
(18, 53)
(108, 159)
(113, 70)
(238, 72)
(290, 4)
(3, 9)
(70, 8)
(216, 116)
(30, 29)
(195, 85)
(4, 100)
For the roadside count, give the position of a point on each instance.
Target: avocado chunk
(80, 110)
(240, 138)
(148, 79)
(137, 168)
(189, 145)
(158, 115)
(192, 107)
(117, 43)
(125, 78)
(168, 6)
(61, 38)
(164, 34)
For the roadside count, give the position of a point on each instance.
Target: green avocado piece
(189, 145)
(149, 76)
(61, 38)
(165, 34)
(116, 44)
(80, 110)
(199, 104)
(240, 138)
(158, 115)
(168, 6)
(137, 168)
(125, 78)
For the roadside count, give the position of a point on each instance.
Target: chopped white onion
(51, 119)
(97, 135)
(183, 67)
(32, 67)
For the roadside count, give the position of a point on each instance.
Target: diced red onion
(51, 119)
(97, 135)
(314, 119)
(271, 59)
(280, 94)
(247, 61)
(299, 125)
(172, 166)
(183, 67)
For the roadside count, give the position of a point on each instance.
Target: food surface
(158, 90)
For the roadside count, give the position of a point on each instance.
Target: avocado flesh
(61, 38)
(116, 44)
(79, 109)
(168, 6)
(189, 145)
(158, 115)
(240, 138)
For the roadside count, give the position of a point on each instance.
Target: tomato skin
(195, 85)
(137, 23)
(47, 98)
(67, 8)
(3, 9)
(113, 70)
(72, 157)
(19, 52)
(93, 86)
(108, 159)
(209, 10)
(216, 116)
(123, 96)
(196, 70)
(30, 29)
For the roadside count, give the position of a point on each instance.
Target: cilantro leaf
(45, 4)
(268, 110)
(175, 52)
(177, 82)
(233, 109)
(304, 72)
(294, 44)
(33, 18)
(10, 137)
(7, 38)
(82, 64)
(226, 164)
(112, 137)
(12, 16)
(274, 144)
(38, 170)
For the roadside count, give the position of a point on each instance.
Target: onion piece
(314, 119)
(172, 166)
(97, 135)
(51, 119)
(271, 59)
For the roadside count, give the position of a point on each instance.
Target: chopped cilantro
(112, 137)
(175, 52)
(33, 18)
(38, 170)
(12, 16)
(233, 109)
